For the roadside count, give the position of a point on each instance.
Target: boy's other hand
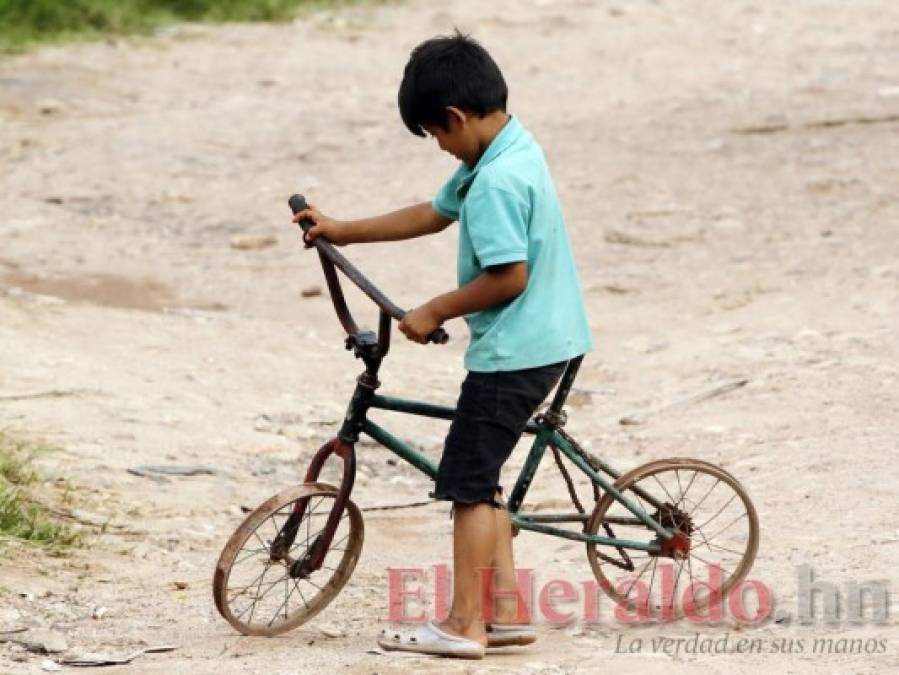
(419, 323)
(324, 226)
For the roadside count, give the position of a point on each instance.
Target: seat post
(565, 384)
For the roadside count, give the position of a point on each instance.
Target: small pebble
(311, 291)
(44, 642)
(252, 242)
(578, 398)
(50, 106)
(331, 631)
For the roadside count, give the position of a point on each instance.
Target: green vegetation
(24, 22)
(23, 518)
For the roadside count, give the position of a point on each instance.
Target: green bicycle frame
(547, 428)
(546, 435)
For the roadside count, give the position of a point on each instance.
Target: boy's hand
(325, 227)
(419, 323)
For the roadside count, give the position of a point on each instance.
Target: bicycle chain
(569, 484)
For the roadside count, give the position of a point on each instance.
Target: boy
(519, 293)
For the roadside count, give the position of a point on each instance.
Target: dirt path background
(729, 176)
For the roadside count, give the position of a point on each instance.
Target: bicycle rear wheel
(261, 590)
(715, 525)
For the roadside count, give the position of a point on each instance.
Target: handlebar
(330, 258)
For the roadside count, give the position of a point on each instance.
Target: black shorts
(491, 414)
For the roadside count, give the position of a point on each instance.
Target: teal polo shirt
(508, 211)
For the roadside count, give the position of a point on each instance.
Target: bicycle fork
(371, 350)
(314, 556)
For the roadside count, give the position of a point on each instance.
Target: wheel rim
(259, 595)
(714, 548)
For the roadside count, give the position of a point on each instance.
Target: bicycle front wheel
(716, 536)
(260, 587)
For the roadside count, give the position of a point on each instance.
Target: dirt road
(729, 176)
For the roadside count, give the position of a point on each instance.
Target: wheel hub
(673, 518)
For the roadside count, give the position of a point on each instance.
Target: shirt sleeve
(497, 221)
(447, 202)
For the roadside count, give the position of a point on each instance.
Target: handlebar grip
(439, 337)
(297, 203)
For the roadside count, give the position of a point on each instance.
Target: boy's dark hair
(449, 71)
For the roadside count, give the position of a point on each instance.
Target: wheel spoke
(308, 521)
(333, 547)
(701, 534)
(243, 589)
(316, 505)
(728, 526)
(706, 542)
(719, 511)
(724, 548)
(656, 478)
(655, 564)
(342, 539)
(271, 586)
(676, 580)
(683, 497)
(693, 582)
(313, 583)
(250, 553)
(268, 585)
(274, 523)
(256, 599)
(690, 571)
(306, 541)
(283, 604)
(634, 582)
(699, 503)
(711, 564)
(265, 544)
(245, 610)
(296, 583)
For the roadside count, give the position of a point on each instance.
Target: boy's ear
(456, 116)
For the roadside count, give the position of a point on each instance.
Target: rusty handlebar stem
(330, 259)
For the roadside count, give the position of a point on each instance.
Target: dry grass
(23, 518)
(24, 23)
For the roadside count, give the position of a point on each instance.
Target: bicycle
(309, 537)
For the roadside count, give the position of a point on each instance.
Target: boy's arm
(493, 286)
(412, 221)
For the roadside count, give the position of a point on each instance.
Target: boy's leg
(491, 414)
(474, 547)
(482, 539)
(509, 607)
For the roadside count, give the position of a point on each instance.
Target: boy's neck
(486, 129)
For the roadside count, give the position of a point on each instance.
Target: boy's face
(458, 139)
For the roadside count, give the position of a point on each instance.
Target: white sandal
(510, 635)
(429, 639)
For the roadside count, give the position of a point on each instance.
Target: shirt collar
(502, 141)
(507, 136)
